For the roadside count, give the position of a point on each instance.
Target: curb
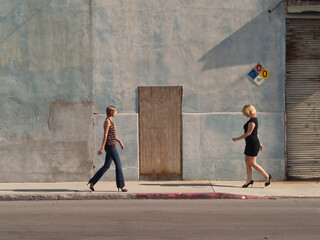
(215, 195)
(38, 197)
(127, 196)
(186, 196)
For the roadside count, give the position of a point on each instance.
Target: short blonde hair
(249, 111)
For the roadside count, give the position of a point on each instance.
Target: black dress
(252, 141)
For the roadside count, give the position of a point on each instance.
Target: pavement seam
(212, 186)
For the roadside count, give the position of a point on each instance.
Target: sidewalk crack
(212, 187)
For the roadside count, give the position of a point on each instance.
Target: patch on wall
(258, 74)
(64, 155)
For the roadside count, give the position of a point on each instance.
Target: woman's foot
(91, 186)
(123, 189)
(268, 182)
(248, 183)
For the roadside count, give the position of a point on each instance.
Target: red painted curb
(206, 196)
(188, 196)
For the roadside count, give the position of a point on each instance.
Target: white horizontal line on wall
(229, 113)
(200, 113)
(119, 114)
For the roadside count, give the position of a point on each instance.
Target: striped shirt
(111, 138)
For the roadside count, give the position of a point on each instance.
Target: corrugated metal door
(303, 98)
(160, 125)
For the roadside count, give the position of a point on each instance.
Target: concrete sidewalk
(158, 190)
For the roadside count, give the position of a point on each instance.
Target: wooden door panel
(160, 120)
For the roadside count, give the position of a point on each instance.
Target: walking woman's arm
(248, 133)
(261, 147)
(121, 144)
(106, 130)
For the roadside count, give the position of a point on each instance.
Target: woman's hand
(121, 144)
(261, 147)
(100, 151)
(234, 139)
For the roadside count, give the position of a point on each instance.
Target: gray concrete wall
(46, 90)
(62, 62)
(208, 47)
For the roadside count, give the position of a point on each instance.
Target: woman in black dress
(252, 145)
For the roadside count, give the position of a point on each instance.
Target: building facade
(177, 71)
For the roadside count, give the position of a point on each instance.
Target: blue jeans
(111, 154)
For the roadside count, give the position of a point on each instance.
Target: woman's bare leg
(253, 163)
(249, 169)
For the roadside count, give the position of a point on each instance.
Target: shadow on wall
(251, 43)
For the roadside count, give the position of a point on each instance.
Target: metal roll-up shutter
(303, 98)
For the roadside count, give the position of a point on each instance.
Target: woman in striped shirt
(109, 145)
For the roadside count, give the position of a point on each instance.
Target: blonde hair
(110, 111)
(249, 111)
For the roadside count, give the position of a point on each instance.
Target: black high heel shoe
(268, 183)
(123, 189)
(91, 186)
(249, 183)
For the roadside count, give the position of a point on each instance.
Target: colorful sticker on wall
(259, 74)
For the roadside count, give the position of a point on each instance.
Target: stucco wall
(63, 61)
(46, 90)
(208, 47)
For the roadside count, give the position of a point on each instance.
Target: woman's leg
(102, 170)
(249, 169)
(119, 173)
(253, 163)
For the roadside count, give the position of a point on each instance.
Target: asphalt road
(161, 219)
